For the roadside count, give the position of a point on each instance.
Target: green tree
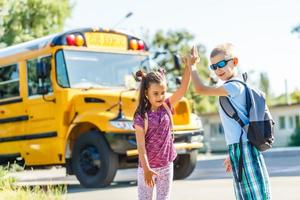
(180, 42)
(24, 20)
(295, 96)
(264, 84)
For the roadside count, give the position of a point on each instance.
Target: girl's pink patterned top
(158, 139)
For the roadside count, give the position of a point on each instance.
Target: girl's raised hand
(192, 58)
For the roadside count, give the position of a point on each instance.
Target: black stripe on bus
(28, 137)
(9, 156)
(14, 119)
(11, 101)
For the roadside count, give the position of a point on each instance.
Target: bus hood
(111, 102)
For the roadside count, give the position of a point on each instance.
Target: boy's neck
(233, 76)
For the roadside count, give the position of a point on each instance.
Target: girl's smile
(156, 94)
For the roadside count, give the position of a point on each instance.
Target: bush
(9, 190)
(295, 138)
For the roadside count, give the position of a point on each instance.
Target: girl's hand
(149, 176)
(227, 164)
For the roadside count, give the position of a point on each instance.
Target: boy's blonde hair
(226, 49)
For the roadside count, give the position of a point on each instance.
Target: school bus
(68, 99)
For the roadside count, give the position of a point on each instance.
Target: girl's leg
(164, 182)
(144, 191)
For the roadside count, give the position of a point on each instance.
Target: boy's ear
(235, 60)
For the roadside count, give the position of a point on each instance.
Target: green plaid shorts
(255, 184)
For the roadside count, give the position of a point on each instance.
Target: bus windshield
(81, 69)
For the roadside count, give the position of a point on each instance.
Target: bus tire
(185, 164)
(93, 163)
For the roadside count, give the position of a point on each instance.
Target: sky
(259, 29)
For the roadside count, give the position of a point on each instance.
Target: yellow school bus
(68, 99)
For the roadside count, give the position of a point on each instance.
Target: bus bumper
(185, 141)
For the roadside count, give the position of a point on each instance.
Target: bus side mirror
(177, 62)
(43, 72)
(178, 80)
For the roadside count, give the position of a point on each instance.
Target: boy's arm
(203, 89)
(191, 60)
(179, 93)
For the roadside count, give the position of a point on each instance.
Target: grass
(9, 190)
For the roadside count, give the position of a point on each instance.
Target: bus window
(61, 70)
(32, 76)
(9, 81)
(80, 69)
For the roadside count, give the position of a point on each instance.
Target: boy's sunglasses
(220, 64)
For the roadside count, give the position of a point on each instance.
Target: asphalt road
(208, 181)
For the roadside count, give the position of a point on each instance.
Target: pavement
(57, 175)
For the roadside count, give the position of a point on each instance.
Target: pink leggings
(163, 183)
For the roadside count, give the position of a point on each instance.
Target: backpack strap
(230, 110)
(248, 97)
(241, 163)
(146, 123)
(245, 76)
(169, 114)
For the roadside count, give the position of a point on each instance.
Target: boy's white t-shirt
(237, 96)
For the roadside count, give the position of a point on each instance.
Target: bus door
(41, 110)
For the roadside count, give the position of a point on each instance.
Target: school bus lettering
(106, 40)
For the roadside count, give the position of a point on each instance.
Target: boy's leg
(164, 182)
(144, 191)
(255, 179)
(257, 172)
(234, 159)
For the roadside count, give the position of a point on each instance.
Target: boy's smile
(227, 72)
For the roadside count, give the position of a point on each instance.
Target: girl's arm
(148, 172)
(178, 94)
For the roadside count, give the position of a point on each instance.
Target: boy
(254, 182)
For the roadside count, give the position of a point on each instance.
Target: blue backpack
(260, 129)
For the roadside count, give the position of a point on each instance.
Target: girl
(155, 145)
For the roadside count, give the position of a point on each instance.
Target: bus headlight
(196, 120)
(126, 125)
(197, 138)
